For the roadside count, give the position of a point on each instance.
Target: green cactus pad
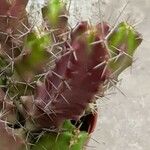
(122, 44)
(68, 139)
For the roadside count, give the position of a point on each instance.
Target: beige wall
(123, 120)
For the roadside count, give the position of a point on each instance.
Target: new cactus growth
(49, 78)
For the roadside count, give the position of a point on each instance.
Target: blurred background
(124, 114)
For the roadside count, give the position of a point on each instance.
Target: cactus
(49, 77)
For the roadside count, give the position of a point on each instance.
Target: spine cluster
(49, 77)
